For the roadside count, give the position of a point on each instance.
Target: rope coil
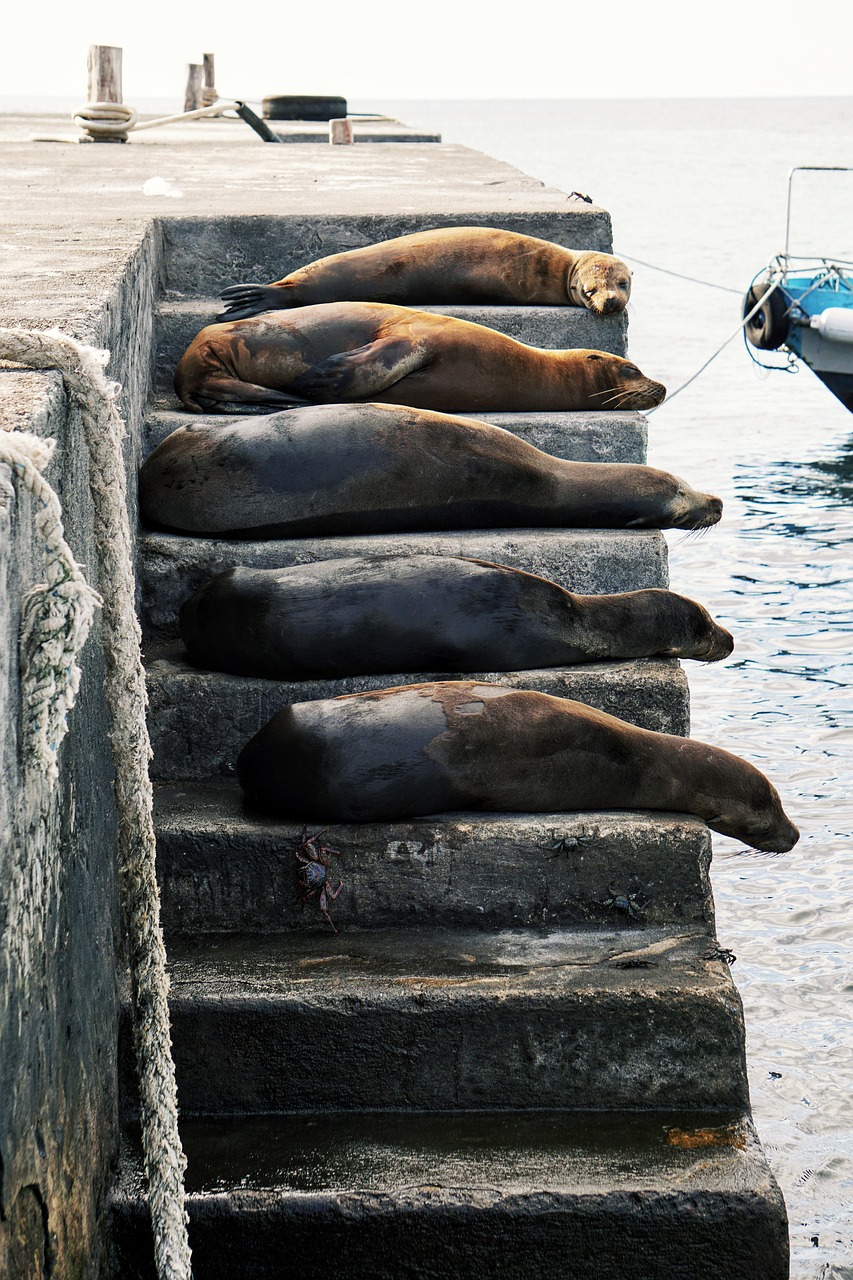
(96, 397)
(56, 615)
(113, 121)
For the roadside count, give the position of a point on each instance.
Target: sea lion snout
(694, 510)
(781, 840)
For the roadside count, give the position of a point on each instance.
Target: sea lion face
(694, 632)
(753, 814)
(693, 510)
(619, 384)
(602, 283)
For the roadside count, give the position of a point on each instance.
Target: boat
(804, 305)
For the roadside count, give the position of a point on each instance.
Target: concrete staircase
(521, 1055)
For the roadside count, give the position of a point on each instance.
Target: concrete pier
(495, 1067)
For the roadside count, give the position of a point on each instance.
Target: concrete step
(586, 561)
(577, 437)
(531, 1195)
(200, 720)
(437, 1019)
(204, 255)
(223, 869)
(177, 322)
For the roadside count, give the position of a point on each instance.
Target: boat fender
(768, 328)
(835, 324)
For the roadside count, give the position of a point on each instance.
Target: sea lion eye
(623, 284)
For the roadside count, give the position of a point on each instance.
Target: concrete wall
(59, 914)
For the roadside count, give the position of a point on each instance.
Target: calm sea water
(700, 188)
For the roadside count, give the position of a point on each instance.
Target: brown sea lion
(428, 748)
(352, 351)
(373, 468)
(445, 266)
(376, 614)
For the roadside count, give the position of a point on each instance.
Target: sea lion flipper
(245, 300)
(363, 372)
(228, 395)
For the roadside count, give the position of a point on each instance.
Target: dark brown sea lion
(448, 265)
(373, 468)
(428, 748)
(349, 351)
(379, 614)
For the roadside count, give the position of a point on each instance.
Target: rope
(56, 615)
(97, 399)
(776, 281)
(104, 120)
(710, 284)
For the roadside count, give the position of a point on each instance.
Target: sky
(379, 49)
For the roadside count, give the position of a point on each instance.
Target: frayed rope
(96, 397)
(56, 616)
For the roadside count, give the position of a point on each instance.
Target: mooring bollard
(340, 132)
(104, 108)
(208, 93)
(193, 94)
(104, 66)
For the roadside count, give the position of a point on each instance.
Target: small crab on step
(630, 904)
(313, 871)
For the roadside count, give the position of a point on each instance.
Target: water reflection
(776, 571)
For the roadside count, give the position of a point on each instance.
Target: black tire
(768, 328)
(304, 107)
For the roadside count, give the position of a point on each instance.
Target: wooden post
(192, 97)
(340, 132)
(209, 94)
(104, 65)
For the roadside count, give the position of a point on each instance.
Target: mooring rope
(775, 282)
(82, 368)
(56, 615)
(116, 119)
(679, 275)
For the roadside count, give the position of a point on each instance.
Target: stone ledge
(226, 869)
(441, 1019)
(200, 720)
(576, 437)
(586, 561)
(487, 1195)
(178, 323)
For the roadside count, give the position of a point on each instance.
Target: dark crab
(722, 953)
(630, 904)
(565, 846)
(313, 871)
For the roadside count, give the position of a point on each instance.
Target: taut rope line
(96, 397)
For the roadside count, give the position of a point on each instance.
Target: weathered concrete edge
(225, 870)
(588, 561)
(200, 720)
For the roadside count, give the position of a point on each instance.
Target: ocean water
(700, 188)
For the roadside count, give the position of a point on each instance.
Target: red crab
(313, 871)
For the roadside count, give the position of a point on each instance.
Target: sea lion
(428, 748)
(369, 615)
(446, 266)
(373, 468)
(348, 351)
